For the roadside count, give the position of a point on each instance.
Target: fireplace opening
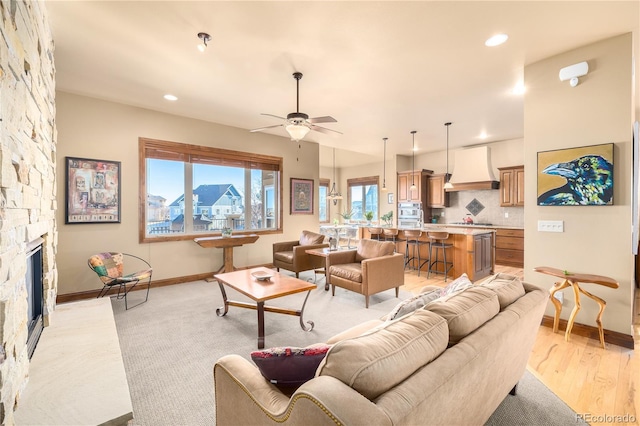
(35, 302)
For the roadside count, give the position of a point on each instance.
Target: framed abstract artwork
(580, 176)
(301, 196)
(92, 191)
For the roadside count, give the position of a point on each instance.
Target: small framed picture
(390, 198)
(301, 196)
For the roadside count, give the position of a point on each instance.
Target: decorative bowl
(262, 275)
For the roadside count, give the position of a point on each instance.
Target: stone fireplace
(28, 200)
(35, 305)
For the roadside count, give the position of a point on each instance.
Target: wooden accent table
(571, 279)
(226, 244)
(260, 291)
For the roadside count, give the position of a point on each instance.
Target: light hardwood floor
(599, 383)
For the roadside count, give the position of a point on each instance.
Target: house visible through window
(363, 197)
(201, 190)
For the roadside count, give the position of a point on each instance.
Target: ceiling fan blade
(325, 119)
(324, 130)
(276, 116)
(265, 128)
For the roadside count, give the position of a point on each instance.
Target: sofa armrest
(284, 245)
(302, 250)
(382, 273)
(243, 396)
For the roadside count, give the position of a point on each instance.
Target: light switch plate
(550, 226)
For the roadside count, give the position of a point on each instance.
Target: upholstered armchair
(292, 256)
(371, 268)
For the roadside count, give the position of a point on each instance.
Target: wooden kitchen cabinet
(483, 255)
(437, 197)
(406, 179)
(510, 247)
(511, 186)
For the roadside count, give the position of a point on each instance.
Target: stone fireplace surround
(27, 183)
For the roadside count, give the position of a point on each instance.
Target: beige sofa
(451, 362)
(371, 268)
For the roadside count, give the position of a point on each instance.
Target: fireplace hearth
(33, 279)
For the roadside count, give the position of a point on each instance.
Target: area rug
(170, 344)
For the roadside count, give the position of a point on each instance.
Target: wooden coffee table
(260, 291)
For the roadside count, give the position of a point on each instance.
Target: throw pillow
(460, 283)
(289, 367)
(413, 303)
(508, 288)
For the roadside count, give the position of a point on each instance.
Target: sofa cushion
(509, 288)
(375, 362)
(309, 238)
(466, 311)
(354, 331)
(368, 249)
(411, 304)
(289, 367)
(283, 256)
(348, 271)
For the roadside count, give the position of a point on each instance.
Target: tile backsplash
(463, 202)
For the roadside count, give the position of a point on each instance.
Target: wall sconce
(572, 72)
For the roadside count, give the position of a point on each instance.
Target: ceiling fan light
(297, 131)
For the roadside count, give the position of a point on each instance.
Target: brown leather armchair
(371, 268)
(292, 256)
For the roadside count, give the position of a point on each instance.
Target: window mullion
(188, 198)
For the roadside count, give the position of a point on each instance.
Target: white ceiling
(381, 69)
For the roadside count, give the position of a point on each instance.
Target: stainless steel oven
(410, 215)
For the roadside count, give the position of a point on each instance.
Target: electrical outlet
(442, 213)
(506, 214)
(559, 296)
(550, 226)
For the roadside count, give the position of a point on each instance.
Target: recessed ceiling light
(519, 89)
(496, 40)
(171, 97)
(483, 135)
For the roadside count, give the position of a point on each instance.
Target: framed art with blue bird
(580, 176)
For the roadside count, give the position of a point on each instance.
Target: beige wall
(93, 128)
(596, 239)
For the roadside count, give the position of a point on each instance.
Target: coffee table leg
(304, 327)
(260, 309)
(219, 311)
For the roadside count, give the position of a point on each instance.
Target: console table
(226, 244)
(573, 280)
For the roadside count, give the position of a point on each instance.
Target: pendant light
(447, 184)
(334, 194)
(413, 186)
(384, 167)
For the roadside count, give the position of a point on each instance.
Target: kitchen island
(473, 249)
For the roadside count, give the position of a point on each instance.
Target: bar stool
(391, 234)
(376, 233)
(437, 240)
(412, 237)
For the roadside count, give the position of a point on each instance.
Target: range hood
(472, 170)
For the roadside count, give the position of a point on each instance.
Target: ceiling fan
(298, 124)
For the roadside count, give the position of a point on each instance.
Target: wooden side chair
(110, 269)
